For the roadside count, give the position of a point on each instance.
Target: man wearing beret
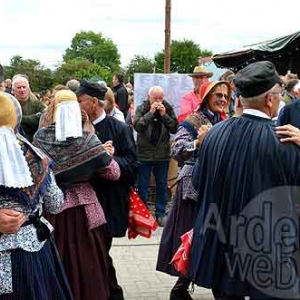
(113, 196)
(246, 235)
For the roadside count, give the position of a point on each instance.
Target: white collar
(100, 118)
(255, 112)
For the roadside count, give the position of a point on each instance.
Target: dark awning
(284, 52)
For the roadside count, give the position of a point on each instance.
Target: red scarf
(140, 219)
(181, 258)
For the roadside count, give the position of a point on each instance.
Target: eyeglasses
(220, 95)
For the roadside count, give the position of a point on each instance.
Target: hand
(87, 124)
(84, 116)
(291, 133)
(161, 108)
(153, 107)
(11, 221)
(202, 132)
(108, 146)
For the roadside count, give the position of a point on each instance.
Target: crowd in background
(78, 160)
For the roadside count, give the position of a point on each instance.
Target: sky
(43, 30)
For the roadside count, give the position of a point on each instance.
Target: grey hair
(73, 84)
(155, 89)
(256, 100)
(19, 78)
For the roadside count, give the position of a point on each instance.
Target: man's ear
(95, 101)
(269, 100)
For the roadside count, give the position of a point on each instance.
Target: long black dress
(246, 232)
(114, 195)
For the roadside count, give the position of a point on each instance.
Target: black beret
(92, 89)
(256, 79)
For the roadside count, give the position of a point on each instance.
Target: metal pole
(167, 61)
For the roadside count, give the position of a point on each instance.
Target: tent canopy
(284, 52)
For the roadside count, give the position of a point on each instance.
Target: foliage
(92, 56)
(95, 48)
(40, 78)
(81, 68)
(184, 56)
(139, 64)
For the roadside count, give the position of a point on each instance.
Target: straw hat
(201, 72)
(206, 87)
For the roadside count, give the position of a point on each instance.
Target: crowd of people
(69, 162)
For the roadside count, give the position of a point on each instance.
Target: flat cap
(92, 89)
(256, 79)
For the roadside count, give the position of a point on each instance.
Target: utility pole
(167, 61)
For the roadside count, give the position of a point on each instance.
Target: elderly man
(190, 101)
(154, 120)
(32, 108)
(246, 235)
(113, 195)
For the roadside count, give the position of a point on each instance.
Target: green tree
(81, 68)
(184, 56)
(40, 78)
(95, 48)
(139, 64)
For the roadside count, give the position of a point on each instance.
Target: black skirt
(38, 275)
(181, 219)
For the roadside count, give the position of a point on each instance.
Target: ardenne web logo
(262, 242)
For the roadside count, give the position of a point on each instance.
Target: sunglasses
(221, 95)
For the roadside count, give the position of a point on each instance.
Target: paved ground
(135, 261)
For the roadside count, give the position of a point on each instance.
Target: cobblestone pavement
(135, 262)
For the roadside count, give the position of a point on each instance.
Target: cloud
(42, 30)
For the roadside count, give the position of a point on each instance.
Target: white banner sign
(174, 85)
